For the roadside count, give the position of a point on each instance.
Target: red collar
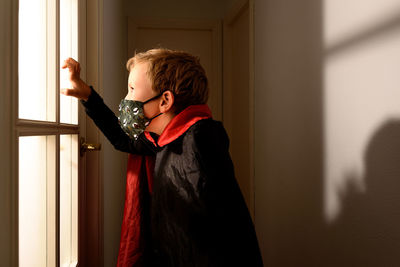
(181, 123)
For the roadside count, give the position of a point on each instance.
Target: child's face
(139, 89)
(139, 84)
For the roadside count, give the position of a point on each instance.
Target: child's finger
(70, 63)
(67, 64)
(68, 92)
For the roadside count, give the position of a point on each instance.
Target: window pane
(37, 198)
(36, 60)
(68, 200)
(68, 48)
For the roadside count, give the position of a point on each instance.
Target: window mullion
(28, 127)
(57, 93)
(58, 200)
(58, 61)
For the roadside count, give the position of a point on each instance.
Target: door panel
(37, 70)
(37, 209)
(47, 131)
(68, 48)
(69, 199)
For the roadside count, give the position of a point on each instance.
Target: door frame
(8, 244)
(233, 13)
(92, 249)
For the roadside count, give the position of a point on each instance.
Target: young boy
(183, 206)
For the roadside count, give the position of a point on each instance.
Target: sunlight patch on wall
(361, 88)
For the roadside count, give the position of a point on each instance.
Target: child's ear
(167, 101)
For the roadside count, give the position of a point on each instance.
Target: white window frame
(91, 224)
(12, 128)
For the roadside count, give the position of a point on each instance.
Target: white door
(200, 38)
(46, 138)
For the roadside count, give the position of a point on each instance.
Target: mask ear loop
(155, 97)
(148, 122)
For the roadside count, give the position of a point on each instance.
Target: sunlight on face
(139, 84)
(140, 89)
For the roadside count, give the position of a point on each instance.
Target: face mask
(131, 117)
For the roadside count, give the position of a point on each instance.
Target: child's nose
(129, 95)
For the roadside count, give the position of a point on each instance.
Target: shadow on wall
(289, 134)
(367, 232)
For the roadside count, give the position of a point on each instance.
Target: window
(48, 134)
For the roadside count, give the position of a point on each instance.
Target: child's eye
(131, 88)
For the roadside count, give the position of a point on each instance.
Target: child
(183, 206)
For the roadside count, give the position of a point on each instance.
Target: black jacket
(198, 215)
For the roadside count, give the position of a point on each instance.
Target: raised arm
(102, 115)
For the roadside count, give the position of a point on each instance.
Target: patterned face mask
(131, 117)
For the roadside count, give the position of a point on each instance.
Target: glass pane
(68, 48)
(36, 60)
(68, 200)
(37, 198)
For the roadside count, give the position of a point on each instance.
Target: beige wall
(288, 131)
(327, 131)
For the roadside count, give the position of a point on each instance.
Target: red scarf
(135, 224)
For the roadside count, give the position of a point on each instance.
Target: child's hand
(79, 88)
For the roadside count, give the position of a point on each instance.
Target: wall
(327, 130)
(288, 130)
(114, 89)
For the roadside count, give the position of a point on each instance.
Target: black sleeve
(108, 123)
